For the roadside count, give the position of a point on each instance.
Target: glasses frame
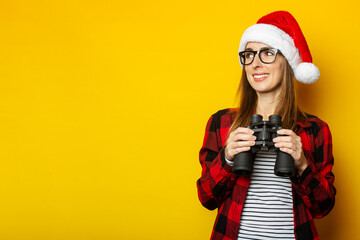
(258, 53)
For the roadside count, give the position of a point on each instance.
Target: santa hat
(280, 30)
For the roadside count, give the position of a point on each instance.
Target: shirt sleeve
(316, 184)
(217, 180)
(231, 163)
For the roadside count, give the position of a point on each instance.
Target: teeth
(260, 76)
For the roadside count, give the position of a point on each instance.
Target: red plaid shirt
(313, 192)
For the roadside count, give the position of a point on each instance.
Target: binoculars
(265, 132)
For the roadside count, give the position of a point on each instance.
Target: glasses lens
(246, 57)
(267, 55)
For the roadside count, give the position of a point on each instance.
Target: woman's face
(264, 78)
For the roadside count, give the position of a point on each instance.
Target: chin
(262, 91)
(265, 89)
(261, 88)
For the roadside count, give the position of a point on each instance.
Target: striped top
(268, 209)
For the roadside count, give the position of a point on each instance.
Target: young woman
(264, 206)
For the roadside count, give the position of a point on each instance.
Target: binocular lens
(275, 119)
(256, 118)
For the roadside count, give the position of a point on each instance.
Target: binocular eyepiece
(265, 132)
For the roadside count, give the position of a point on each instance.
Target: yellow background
(103, 106)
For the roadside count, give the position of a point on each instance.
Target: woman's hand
(291, 144)
(240, 140)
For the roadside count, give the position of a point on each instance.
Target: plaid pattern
(313, 192)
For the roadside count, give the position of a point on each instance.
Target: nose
(257, 62)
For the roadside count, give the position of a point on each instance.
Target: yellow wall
(103, 106)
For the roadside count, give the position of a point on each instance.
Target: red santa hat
(280, 30)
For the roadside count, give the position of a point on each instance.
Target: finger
(238, 132)
(243, 130)
(239, 150)
(285, 132)
(288, 150)
(283, 139)
(240, 144)
(289, 145)
(233, 133)
(234, 145)
(242, 136)
(295, 155)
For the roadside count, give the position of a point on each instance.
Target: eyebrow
(263, 48)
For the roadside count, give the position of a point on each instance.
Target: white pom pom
(307, 73)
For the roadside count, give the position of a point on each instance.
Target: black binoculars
(265, 132)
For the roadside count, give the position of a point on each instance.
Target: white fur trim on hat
(277, 38)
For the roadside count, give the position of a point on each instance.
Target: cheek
(278, 72)
(247, 74)
(277, 79)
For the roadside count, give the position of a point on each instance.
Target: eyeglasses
(267, 55)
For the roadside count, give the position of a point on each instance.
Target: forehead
(256, 45)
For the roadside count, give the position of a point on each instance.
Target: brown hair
(287, 108)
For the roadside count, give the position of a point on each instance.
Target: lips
(260, 77)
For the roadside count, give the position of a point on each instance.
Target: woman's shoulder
(312, 121)
(226, 113)
(222, 118)
(222, 112)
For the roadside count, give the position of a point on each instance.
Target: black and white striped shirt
(268, 209)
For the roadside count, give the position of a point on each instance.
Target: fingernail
(253, 137)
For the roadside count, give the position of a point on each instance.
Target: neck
(266, 104)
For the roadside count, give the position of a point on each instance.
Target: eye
(248, 55)
(269, 52)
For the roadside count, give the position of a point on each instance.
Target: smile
(260, 76)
